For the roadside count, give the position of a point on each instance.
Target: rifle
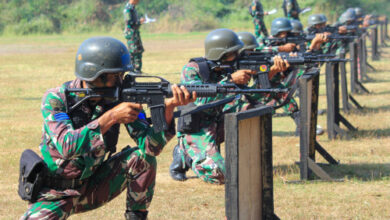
(302, 39)
(153, 94)
(262, 62)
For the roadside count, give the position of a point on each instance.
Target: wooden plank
(318, 170)
(249, 169)
(231, 165)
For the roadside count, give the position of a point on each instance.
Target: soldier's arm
(264, 48)
(148, 141)
(68, 141)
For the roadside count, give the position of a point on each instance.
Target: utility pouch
(189, 123)
(32, 172)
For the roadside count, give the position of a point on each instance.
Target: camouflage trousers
(135, 46)
(260, 27)
(275, 99)
(203, 147)
(129, 168)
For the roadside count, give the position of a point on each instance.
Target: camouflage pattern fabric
(265, 47)
(276, 99)
(258, 19)
(202, 146)
(132, 35)
(291, 6)
(85, 147)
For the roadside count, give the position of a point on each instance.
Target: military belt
(62, 184)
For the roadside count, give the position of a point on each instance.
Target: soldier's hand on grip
(280, 65)
(125, 112)
(289, 47)
(242, 77)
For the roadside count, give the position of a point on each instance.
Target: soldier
(257, 13)
(200, 135)
(281, 28)
(297, 27)
(291, 9)
(74, 145)
(132, 34)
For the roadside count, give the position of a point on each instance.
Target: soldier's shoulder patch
(56, 104)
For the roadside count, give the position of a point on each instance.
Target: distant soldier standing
(132, 35)
(257, 13)
(291, 9)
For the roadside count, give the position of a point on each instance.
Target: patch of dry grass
(29, 66)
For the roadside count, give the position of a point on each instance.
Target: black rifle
(262, 62)
(301, 40)
(153, 94)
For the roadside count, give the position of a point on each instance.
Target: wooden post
(356, 85)
(308, 91)
(374, 43)
(386, 33)
(333, 103)
(249, 176)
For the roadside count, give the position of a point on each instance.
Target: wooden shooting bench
(248, 161)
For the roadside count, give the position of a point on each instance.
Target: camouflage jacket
(290, 6)
(256, 10)
(131, 17)
(79, 140)
(264, 45)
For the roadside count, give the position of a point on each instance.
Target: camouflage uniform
(264, 47)
(290, 6)
(273, 99)
(257, 14)
(77, 139)
(132, 35)
(203, 146)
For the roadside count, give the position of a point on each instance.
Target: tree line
(23, 17)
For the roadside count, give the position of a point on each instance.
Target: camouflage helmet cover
(220, 42)
(99, 55)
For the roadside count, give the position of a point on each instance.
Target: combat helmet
(220, 42)
(249, 41)
(316, 19)
(359, 12)
(297, 26)
(99, 55)
(279, 25)
(348, 16)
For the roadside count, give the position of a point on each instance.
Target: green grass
(30, 65)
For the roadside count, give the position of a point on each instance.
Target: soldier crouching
(75, 144)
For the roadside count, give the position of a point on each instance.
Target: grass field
(31, 65)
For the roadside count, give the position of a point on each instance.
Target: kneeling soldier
(200, 136)
(75, 144)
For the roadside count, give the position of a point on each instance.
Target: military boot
(136, 215)
(297, 119)
(177, 169)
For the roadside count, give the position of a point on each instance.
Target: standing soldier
(291, 9)
(75, 143)
(132, 35)
(257, 13)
